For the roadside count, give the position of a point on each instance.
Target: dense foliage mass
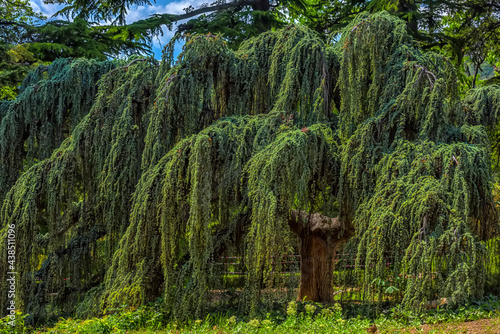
(287, 144)
(53, 100)
(466, 31)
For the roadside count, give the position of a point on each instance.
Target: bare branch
(426, 72)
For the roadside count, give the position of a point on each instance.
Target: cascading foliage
(189, 219)
(164, 169)
(71, 209)
(53, 100)
(415, 176)
(80, 199)
(289, 70)
(481, 106)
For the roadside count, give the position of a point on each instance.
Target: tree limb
(12, 23)
(202, 10)
(314, 223)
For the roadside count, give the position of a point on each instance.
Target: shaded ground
(483, 326)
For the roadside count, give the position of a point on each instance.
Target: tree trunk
(320, 237)
(316, 269)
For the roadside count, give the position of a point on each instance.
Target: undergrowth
(294, 317)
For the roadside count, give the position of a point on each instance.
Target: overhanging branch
(202, 10)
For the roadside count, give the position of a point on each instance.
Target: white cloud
(46, 9)
(178, 7)
(142, 12)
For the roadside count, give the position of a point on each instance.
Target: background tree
(15, 18)
(441, 24)
(27, 41)
(463, 30)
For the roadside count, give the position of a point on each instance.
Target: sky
(136, 13)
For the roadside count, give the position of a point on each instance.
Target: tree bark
(320, 237)
(316, 267)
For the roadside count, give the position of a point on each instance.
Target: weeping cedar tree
(287, 144)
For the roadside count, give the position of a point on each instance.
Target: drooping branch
(13, 23)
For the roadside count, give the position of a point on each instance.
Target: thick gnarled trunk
(316, 268)
(320, 237)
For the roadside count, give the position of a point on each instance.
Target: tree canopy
(128, 180)
(464, 30)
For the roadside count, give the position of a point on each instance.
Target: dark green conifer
(285, 145)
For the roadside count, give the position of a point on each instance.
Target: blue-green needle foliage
(184, 214)
(415, 176)
(80, 202)
(482, 106)
(176, 165)
(291, 70)
(70, 209)
(54, 100)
